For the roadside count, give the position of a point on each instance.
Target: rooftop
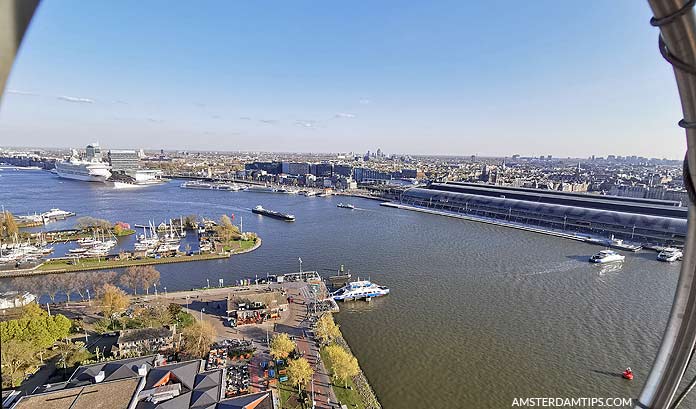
(106, 395)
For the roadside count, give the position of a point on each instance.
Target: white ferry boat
(195, 184)
(670, 254)
(607, 256)
(262, 189)
(358, 290)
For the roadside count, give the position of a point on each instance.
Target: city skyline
(339, 78)
(538, 155)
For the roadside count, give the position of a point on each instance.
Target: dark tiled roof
(106, 395)
(261, 400)
(184, 372)
(207, 389)
(113, 370)
(179, 402)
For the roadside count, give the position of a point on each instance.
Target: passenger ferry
(670, 254)
(345, 206)
(358, 290)
(607, 256)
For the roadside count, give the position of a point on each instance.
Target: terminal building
(646, 221)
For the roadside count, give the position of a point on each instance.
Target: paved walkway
(323, 392)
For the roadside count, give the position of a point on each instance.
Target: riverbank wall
(367, 394)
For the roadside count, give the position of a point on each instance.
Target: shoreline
(362, 385)
(36, 271)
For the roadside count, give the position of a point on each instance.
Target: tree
(65, 283)
(92, 224)
(326, 329)
(190, 222)
(8, 228)
(226, 230)
(15, 355)
(98, 279)
(344, 364)
(80, 284)
(52, 286)
(299, 372)
(156, 315)
(113, 300)
(129, 279)
(282, 346)
(36, 327)
(145, 276)
(197, 339)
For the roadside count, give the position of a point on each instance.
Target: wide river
(477, 314)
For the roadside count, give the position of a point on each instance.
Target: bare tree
(129, 279)
(52, 286)
(147, 276)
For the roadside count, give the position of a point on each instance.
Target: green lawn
(239, 245)
(348, 397)
(288, 396)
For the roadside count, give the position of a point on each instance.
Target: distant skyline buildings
(339, 155)
(354, 77)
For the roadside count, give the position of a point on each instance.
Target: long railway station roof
(673, 225)
(608, 203)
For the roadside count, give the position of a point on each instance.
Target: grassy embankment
(349, 395)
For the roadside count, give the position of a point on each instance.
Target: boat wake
(561, 268)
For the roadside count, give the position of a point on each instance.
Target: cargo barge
(271, 213)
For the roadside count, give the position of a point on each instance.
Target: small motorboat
(670, 254)
(607, 256)
(627, 374)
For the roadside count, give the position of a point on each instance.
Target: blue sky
(440, 77)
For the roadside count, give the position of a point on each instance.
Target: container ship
(270, 213)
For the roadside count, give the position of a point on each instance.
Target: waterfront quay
(299, 297)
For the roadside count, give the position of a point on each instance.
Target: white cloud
(155, 120)
(18, 92)
(269, 121)
(305, 124)
(245, 118)
(364, 101)
(344, 115)
(76, 99)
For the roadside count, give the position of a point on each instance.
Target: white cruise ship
(89, 169)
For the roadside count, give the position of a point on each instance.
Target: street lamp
(187, 305)
(165, 291)
(89, 300)
(202, 310)
(208, 281)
